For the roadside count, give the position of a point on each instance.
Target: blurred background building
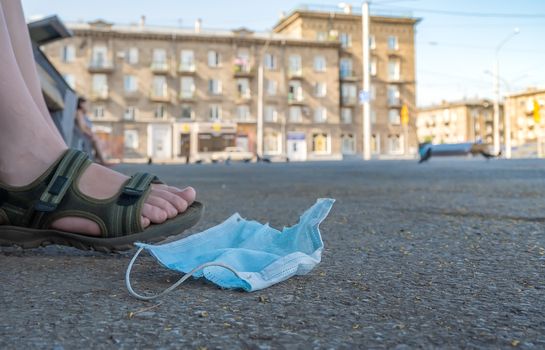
(174, 94)
(457, 121)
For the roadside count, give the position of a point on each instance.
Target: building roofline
(174, 33)
(527, 92)
(459, 103)
(298, 13)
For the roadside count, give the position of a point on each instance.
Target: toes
(188, 194)
(155, 214)
(156, 200)
(145, 221)
(178, 202)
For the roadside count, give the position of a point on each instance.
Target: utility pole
(260, 89)
(366, 120)
(496, 121)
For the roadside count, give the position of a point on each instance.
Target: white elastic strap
(175, 285)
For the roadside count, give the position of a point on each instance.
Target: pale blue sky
(453, 51)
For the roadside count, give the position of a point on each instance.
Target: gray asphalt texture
(448, 254)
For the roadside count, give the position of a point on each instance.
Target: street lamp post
(507, 122)
(366, 120)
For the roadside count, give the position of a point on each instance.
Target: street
(450, 253)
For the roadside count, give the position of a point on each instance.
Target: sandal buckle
(45, 206)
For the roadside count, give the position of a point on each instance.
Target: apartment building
(392, 70)
(182, 94)
(526, 132)
(457, 121)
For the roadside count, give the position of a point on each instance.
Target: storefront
(297, 146)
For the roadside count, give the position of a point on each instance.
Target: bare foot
(163, 203)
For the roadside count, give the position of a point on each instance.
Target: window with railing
(271, 114)
(243, 113)
(346, 40)
(99, 85)
(393, 95)
(99, 57)
(214, 112)
(394, 68)
(271, 86)
(320, 115)
(130, 83)
(187, 61)
(346, 115)
(295, 91)
(159, 87)
(320, 89)
(159, 60)
(214, 87)
(295, 67)
(187, 85)
(348, 93)
(295, 114)
(345, 68)
(214, 59)
(243, 88)
(319, 63)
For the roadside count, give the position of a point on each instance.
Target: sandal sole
(28, 238)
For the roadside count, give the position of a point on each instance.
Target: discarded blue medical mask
(243, 254)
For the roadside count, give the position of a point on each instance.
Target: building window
(98, 112)
(70, 80)
(372, 92)
(159, 60)
(243, 88)
(393, 43)
(295, 91)
(346, 115)
(270, 61)
(320, 143)
(372, 42)
(242, 61)
(348, 93)
(68, 53)
(214, 86)
(348, 144)
(187, 61)
(130, 139)
(214, 59)
(130, 113)
(272, 143)
(132, 55)
(271, 114)
(320, 115)
(160, 88)
(394, 68)
(187, 85)
(320, 89)
(346, 40)
(295, 66)
(99, 56)
(395, 144)
(373, 67)
(319, 64)
(373, 116)
(160, 112)
(393, 95)
(243, 113)
(394, 117)
(130, 83)
(271, 86)
(295, 114)
(346, 67)
(214, 112)
(187, 112)
(321, 36)
(100, 85)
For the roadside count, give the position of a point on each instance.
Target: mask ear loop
(175, 285)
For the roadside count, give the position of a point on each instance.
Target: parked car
(232, 154)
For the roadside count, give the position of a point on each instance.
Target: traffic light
(537, 116)
(404, 115)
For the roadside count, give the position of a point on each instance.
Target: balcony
(100, 66)
(242, 70)
(394, 102)
(186, 96)
(156, 97)
(186, 68)
(295, 99)
(100, 94)
(295, 73)
(349, 101)
(348, 75)
(131, 95)
(159, 67)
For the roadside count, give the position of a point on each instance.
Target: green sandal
(30, 210)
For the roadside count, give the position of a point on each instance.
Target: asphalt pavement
(447, 254)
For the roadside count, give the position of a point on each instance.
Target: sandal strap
(67, 170)
(126, 214)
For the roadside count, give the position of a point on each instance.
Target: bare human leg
(28, 146)
(22, 48)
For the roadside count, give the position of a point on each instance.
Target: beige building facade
(456, 122)
(182, 94)
(392, 69)
(526, 132)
